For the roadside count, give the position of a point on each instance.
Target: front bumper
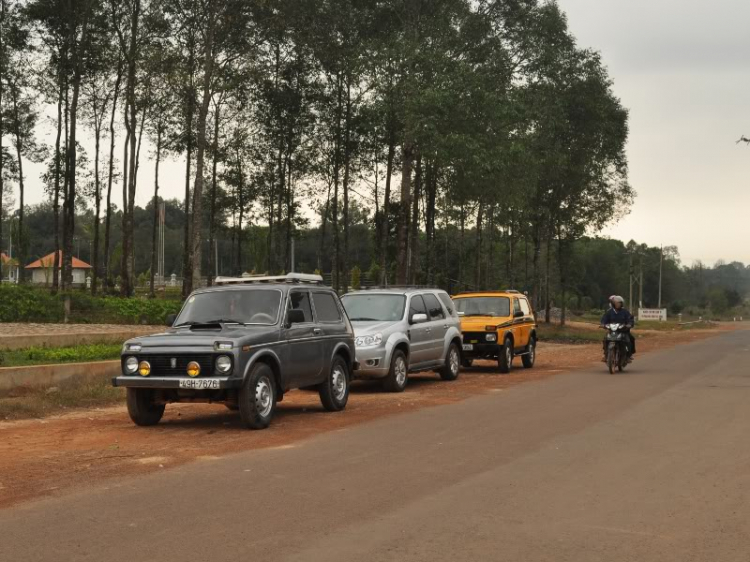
(481, 350)
(171, 382)
(372, 363)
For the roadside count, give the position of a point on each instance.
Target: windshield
(483, 306)
(256, 306)
(374, 308)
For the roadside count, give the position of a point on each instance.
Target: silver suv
(402, 331)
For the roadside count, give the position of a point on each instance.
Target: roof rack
(260, 279)
(488, 292)
(382, 287)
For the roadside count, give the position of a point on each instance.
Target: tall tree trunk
(241, 204)
(347, 171)
(77, 56)
(97, 192)
(478, 263)
(385, 228)
(56, 203)
(336, 270)
(2, 73)
(63, 218)
(402, 268)
(414, 243)
(547, 299)
(22, 242)
(159, 128)
(323, 222)
(431, 185)
(208, 67)
(110, 176)
(212, 211)
(188, 163)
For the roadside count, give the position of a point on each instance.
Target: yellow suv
(497, 325)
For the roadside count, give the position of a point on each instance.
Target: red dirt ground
(43, 457)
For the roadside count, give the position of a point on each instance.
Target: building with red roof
(41, 270)
(8, 269)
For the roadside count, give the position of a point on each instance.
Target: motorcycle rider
(618, 314)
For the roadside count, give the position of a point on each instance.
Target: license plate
(199, 384)
(468, 347)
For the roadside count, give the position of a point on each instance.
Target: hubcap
(400, 368)
(532, 352)
(455, 361)
(264, 396)
(508, 356)
(338, 381)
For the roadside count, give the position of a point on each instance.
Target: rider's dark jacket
(614, 316)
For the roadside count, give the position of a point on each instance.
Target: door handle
(428, 330)
(317, 331)
(445, 326)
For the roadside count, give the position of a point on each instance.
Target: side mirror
(170, 319)
(519, 314)
(418, 318)
(295, 316)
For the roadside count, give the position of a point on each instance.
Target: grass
(26, 403)
(566, 334)
(50, 355)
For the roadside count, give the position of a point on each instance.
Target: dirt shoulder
(49, 456)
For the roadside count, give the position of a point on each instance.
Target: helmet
(617, 298)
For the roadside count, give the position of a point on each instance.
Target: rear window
(326, 307)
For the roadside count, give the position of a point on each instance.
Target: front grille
(161, 365)
(476, 337)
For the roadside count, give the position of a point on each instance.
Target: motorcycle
(618, 346)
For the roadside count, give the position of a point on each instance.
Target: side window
(433, 307)
(447, 302)
(416, 306)
(300, 300)
(525, 307)
(326, 308)
(516, 307)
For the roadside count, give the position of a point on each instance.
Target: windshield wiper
(363, 319)
(224, 321)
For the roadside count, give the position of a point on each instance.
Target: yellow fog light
(144, 368)
(193, 369)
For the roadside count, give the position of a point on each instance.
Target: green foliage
(356, 281)
(50, 355)
(31, 304)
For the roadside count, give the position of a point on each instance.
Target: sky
(681, 68)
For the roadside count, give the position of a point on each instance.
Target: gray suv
(243, 343)
(401, 331)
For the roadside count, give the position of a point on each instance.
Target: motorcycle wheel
(612, 359)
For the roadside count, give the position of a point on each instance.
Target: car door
(329, 321)
(419, 334)
(528, 321)
(438, 326)
(305, 363)
(518, 322)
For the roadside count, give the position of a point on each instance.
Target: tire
(398, 375)
(334, 392)
(530, 357)
(141, 407)
(452, 367)
(505, 359)
(611, 359)
(467, 363)
(257, 397)
(622, 360)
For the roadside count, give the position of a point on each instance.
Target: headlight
(223, 364)
(369, 340)
(491, 337)
(144, 368)
(223, 345)
(131, 365)
(133, 347)
(193, 369)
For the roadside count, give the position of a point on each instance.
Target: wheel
(530, 357)
(141, 407)
(452, 367)
(505, 360)
(611, 359)
(334, 392)
(257, 398)
(622, 357)
(398, 374)
(467, 363)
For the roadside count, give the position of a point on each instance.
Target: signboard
(659, 314)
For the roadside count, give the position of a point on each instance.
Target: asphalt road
(653, 464)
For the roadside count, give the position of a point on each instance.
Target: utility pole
(292, 257)
(630, 277)
(640, 283)
(661, 261)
